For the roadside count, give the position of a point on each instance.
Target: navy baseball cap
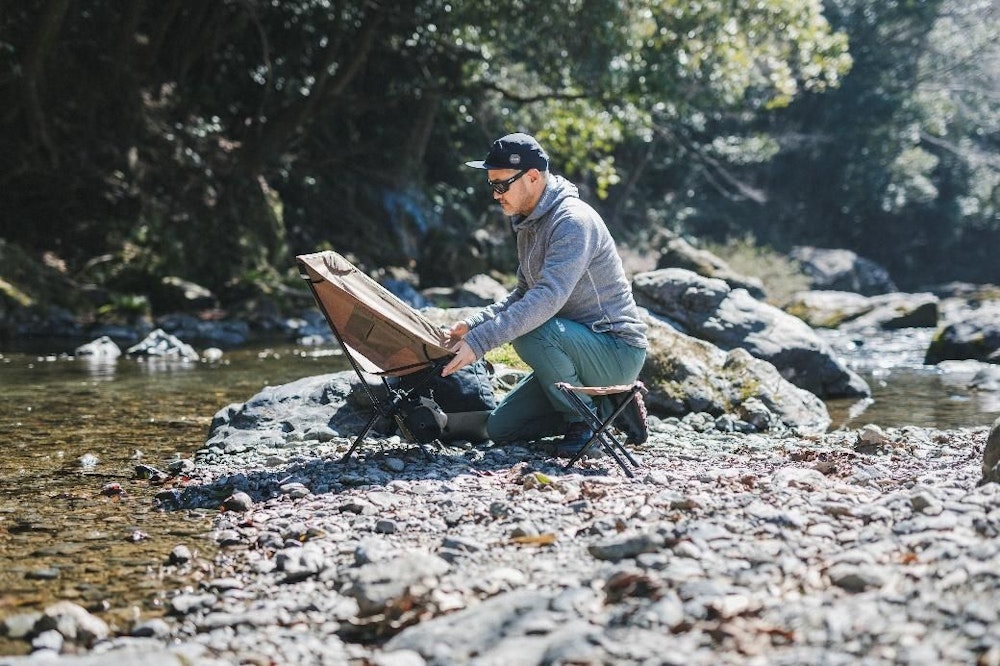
(514, 151)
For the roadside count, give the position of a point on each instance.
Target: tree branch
(529, 99)
(716, 173)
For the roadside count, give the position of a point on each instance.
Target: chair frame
(398, 398)
(602, 435)
(391, 409)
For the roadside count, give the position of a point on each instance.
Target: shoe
(577, 435)
(632, 421)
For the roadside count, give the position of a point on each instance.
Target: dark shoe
(632, 421)
(576, 437)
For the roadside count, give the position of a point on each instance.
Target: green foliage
(506, 356)
(213, 141)
(899, 162)
(782, 277)
(125, 307)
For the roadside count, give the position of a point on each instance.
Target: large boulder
(225, 333)
(843, 270)
(317, 408)
(678, 253)
(478, 291)
(971, 332)
(827, 308)
(977, 377)
(730, 318)
(686, 375)
(845, 309)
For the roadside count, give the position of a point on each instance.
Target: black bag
(464, 398)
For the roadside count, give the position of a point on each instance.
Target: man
(571, 318)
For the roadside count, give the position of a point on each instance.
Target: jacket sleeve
(568, 247)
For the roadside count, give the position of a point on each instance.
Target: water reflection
(153, 365)
(904, 390)
(100, 369)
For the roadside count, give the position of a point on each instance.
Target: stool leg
(608, 443)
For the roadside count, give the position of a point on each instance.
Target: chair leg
(392, 410)
(359, 438)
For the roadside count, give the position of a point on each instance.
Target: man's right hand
(457, 333)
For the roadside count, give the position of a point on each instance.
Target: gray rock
(161, 344)
(180, 554)
(843, 270)
(376, 585)
(687, 376)
(478, 631)
(103, 348)
(181, 466)
(73, 622)
(678, 253)
(239, 502)
(854, 312)
(48, 640)
(153, 628)
(619, 549)
(857, 577)
(184, 604)
(301, 563)
(731, 319)
(19, 625)
(968, 333)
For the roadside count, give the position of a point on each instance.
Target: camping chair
(380, 335)
(628, 415)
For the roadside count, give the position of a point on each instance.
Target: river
(75, 521)
(77, 524)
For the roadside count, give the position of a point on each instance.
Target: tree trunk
(50, 22)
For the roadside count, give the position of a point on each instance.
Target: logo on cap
(515, 159)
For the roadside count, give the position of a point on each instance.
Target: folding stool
(631, 399)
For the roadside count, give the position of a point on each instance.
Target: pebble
(726, 548)
(180, 554)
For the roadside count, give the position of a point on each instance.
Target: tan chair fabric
(378, 327)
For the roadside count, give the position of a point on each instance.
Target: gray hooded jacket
(569, 268)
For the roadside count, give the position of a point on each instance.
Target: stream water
(76, 523)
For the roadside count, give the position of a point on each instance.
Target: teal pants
(561, 350)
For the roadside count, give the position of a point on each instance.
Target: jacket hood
(557, 189)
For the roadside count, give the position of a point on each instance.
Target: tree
(898, 162)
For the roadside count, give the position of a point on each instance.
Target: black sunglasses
(501, 186)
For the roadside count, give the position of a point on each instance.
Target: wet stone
(180, 554)
(48, 573)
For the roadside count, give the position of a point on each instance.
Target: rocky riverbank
(860, 546)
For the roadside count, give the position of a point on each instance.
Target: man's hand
(457, 332)
(463, 357)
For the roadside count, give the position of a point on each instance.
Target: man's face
(520, 198)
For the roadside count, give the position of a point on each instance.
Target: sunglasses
(501, 186)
